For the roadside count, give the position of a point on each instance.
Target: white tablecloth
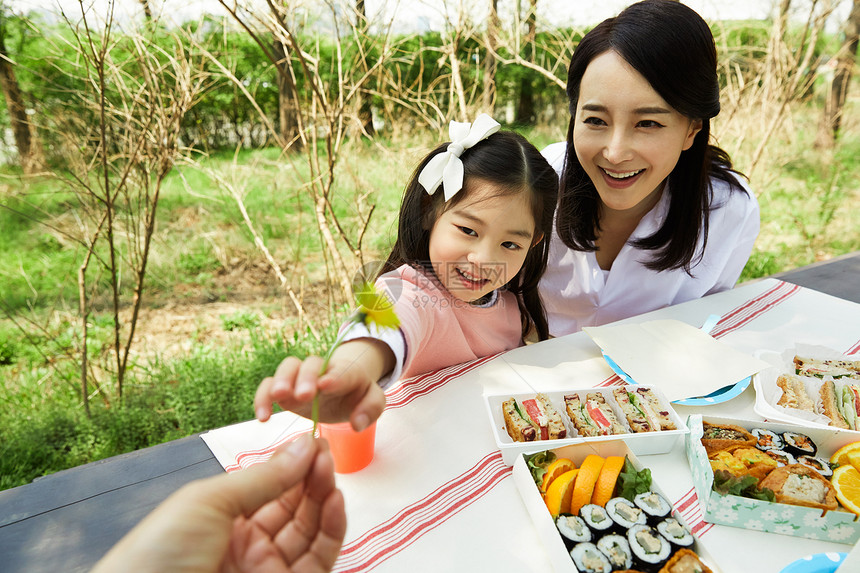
(438, 497)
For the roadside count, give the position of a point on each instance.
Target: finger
(368, 409)
(263, 399)
(315, 533)
(307, 378)
(244, 492)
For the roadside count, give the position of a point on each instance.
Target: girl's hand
(348, 389)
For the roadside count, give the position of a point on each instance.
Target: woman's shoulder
(734, 195)
(554, 153)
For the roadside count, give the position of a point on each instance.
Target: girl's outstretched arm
(348, 390)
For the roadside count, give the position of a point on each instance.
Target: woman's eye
(511, 246)
(467, 231)
(593, 121)
(649, 123)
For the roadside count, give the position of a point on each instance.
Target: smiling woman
(650, 214)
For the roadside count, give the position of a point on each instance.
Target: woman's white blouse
(576, 292)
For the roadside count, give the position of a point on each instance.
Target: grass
(203, 254)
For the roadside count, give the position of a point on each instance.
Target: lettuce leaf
(538, 464)
(631, 482)
(747, 486)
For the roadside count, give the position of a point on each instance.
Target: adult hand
(284, 515)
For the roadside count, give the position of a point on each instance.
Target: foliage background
(216, 318)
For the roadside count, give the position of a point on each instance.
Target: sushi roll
(624, 513)
(654, 505)
(782, 458)
(589, 559)
(650, 549)
(617, 550)
(573, 529)
(820, 465)
(596, 518)
(767, 440)
(675, 533)
(799, 444)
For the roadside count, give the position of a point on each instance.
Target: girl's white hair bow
(446, 167)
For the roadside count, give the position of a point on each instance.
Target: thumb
(245, 491)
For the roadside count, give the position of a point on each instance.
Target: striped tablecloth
(438, 497)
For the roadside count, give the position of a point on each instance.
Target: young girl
(650, 213)
(463, 276)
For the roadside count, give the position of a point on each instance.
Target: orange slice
(605, 485)
(854, 460)
(555, 469)
(841, 455)
(846, 480)
(589, 471)
(559, 492)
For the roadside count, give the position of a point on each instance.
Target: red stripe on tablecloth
(394, 535)
(754, 308)
(412, 388)
(404, 393)
(689, 508)
(250, 458)
(614, 380)
(854, 349)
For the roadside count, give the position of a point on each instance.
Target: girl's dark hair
(673, 48)
(509, 161)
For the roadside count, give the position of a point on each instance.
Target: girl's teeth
(622, 175)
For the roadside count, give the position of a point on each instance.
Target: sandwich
(638, 410)
(533, 419)
(642, 409)
(831, 405)
(517, 423)
(851, 405)
(820, 368)
(794, 393)
(594, 417)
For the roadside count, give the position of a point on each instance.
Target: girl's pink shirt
(441, 330)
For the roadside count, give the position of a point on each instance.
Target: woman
(650, 214)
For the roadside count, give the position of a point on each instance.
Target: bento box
(641, 443)
(558, 553)
(838, 526)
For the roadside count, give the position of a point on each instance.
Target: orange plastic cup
(351, 450)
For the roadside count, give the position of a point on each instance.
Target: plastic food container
(541, 518)
(643, 443)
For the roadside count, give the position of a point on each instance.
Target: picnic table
(438, 495)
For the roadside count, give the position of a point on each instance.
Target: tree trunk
(287, 107)
(526, 108)
(489, 95)
(365, 109)
(29, 155)
(845, 60)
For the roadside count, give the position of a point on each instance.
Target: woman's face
(627, 138)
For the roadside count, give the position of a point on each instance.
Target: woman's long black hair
(509, 161)
(673, 48)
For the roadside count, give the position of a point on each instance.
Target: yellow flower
(375, 308)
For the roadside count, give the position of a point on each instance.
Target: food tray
(641, 444)
(541, 518)
(736, 511)
(767, 393)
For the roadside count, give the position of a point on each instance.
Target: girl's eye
(646, 123)
(511, 246)
(467, 231)
(593, 121)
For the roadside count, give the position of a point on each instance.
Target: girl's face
(626, 137)
(481, 243)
